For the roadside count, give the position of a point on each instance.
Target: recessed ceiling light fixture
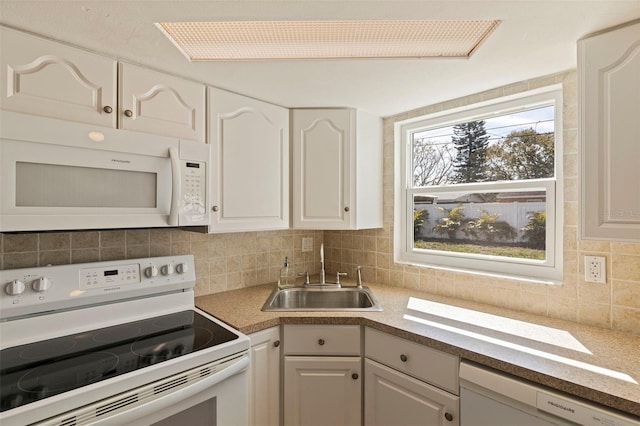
(274, 40)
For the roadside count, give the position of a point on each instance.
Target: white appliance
(489, 398)
(57, 175)
(116, 343)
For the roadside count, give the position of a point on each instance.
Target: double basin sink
(322, 298)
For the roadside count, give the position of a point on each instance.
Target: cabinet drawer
(322, 340)
(430, 365)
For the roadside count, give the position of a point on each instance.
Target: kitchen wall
(223, 261)
(614, 305)
(229, 261)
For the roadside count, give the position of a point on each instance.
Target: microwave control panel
(193, 208)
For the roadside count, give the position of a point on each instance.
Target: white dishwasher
(488, 398)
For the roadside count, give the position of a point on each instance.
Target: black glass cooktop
(35, 371)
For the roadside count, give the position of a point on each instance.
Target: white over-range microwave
(60, 175)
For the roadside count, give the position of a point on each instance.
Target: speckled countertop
(598, 365)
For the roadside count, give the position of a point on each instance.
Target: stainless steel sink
(322, 299)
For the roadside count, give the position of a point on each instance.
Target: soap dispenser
(287, 277)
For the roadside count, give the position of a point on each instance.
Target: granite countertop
(598, 365)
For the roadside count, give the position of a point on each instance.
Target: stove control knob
(167, 269)
(182, 268)
(41, 284)
(14, 288)
(151, 271)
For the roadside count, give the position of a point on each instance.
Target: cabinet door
(393, 398)
(45, 78)
(153, 102)
(321, 163)
(250, 157)
(609, 81)
(322, 391)
(264, 378)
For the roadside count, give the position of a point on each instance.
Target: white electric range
(116, 343)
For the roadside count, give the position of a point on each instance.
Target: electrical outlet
(307, 244)
(595, 269)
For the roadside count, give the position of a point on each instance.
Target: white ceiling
(535, 38)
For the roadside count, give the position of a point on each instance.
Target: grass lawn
(488, 249)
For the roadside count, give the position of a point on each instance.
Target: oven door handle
(142, 413)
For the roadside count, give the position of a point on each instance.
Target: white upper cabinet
(250, 161)
(153, 102)
(609, 81)
(45, 78)
(51, 79)
(337, 169)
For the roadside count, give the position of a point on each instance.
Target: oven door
(209, 395)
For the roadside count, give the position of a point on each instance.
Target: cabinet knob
(403, 358)
(354, 376)
(448, 416)
(276, 343)
(346, 209)
(107, 109)
(128, 113)
(214, 208)
(321, 342)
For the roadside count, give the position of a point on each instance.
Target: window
(479, 187)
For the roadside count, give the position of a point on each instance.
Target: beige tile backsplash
(229, 261)
(223, 261)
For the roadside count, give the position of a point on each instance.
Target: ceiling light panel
(270, 40)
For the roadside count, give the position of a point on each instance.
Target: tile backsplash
(223, 261)
(230, 261)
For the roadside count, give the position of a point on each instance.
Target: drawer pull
(107, 109)
(448, 416)
(321, 342)
(354, 376)
(276, 343)
(403, 358)
(128, 113)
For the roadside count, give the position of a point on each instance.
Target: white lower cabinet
(322, 391)
(322, 375)
(394, 398)
(401, 383)
(264, 378)
(409, 384)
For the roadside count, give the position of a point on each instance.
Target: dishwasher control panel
(489, 397)
(578, 412)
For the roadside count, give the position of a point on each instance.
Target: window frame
(547, 271)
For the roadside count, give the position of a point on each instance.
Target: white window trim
(549, 271)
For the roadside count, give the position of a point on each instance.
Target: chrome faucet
(322, 281)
